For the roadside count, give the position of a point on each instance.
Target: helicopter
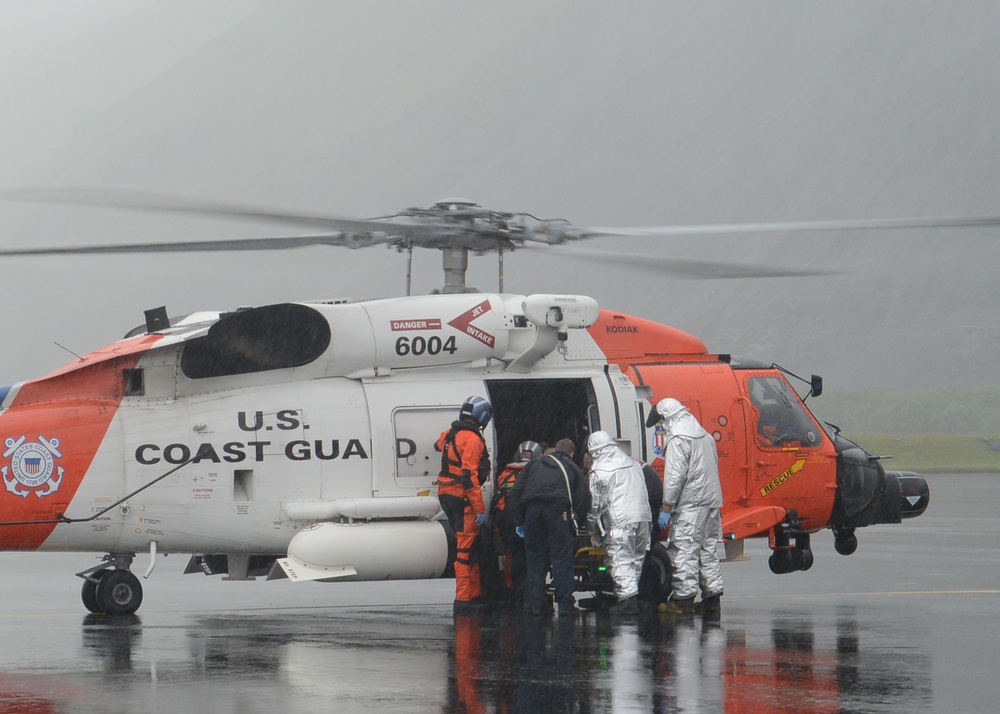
(295, 440)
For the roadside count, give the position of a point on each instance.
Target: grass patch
(940, 411)
(929, 453)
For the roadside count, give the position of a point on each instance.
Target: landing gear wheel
(780, 562)
(654, 581)
(118, 593)
(802, 559)
(846, 543)
(89, 595)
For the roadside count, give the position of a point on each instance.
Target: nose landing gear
(844, 541)
(788, 557)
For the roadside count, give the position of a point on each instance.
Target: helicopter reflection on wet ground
(664, 663)
(907, 624)
(413, 661)
(794, 661)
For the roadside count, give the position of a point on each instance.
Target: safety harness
(450, 465)
(505, 484)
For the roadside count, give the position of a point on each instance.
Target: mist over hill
(650, 113)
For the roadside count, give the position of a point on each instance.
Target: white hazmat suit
(692, 489)
(620, 503)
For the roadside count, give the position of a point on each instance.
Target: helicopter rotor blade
(453, 225)
(240, 244)
(548, 231)
(692, 269)
(164, 203)
(860, 224)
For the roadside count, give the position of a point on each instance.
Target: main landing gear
(110, 587)
(788, 558)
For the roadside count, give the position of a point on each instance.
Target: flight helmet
(478, 410)
(528, 450)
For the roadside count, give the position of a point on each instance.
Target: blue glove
(520, 531)
(480, 519)
(664, 520)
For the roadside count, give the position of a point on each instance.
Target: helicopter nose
(914, 493)
(867, 494)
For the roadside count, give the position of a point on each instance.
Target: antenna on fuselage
(68, 350)
(156, 319)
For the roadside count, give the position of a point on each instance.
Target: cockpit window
(258, 340)
(782, 420)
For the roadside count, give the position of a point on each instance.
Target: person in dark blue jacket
(551, 496)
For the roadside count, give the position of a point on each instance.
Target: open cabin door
(542, 410)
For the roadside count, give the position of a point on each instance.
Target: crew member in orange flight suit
(515, 569)
(465, 466)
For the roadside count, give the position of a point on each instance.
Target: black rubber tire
(846, 545)
(89, 594)
(119, 593)
(780, 562)
(802, 559)
(654, 582)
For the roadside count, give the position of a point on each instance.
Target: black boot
(628, 606)
(465, 607)
(710, 603)
(568, 608)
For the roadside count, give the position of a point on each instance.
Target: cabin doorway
(542, 410)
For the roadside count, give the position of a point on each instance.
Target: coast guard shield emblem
(659, 440)
(31, 467)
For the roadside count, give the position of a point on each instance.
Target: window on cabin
(782, 419)
(133, 381)
(258, 340)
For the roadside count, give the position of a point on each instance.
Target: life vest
(505, 484)
(452, 472)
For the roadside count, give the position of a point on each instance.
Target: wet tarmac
(909, 623)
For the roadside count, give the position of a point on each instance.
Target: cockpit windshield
(782, 419)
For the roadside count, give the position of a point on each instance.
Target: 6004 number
(420, 345)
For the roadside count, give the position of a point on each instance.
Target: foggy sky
(646, 113)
